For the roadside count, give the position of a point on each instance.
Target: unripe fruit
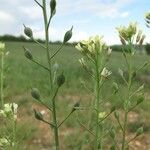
(53, 7)
(28, 54)
(68, 35)
(28, 32)
(60, 80)
(38, 115)
(139, 131)
(35, 93)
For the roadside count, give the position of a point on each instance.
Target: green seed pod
(116, 114)
(35, 94)
(134, 74)
(139, 131)
(68, 35)
(115, 87)
(28, 32)
(76, 105)
(140, 100)
(53, 7)
(60, 80)
(112, 133)
(28, 54)
(38, 115)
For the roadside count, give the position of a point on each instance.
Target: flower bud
(35, 93)
(53, 7)
(28, 32)
(60, 80)
(139, 131)
(38, 115)
(68, 35)
(2, 46)
(28, 54)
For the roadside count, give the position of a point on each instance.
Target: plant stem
(55, 121)
(47, 42)
(97, 90)
(14, 134)
(2, 78)
(50, 75)
(127, 105)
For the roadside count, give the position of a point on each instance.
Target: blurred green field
(22, 75)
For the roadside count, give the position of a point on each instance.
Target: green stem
(127, 105)
(14, 134)
(50, 75)
(2, 78)
(55, 121)
(47, 42)
(97, 90)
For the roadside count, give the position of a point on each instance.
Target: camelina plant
(54, 86)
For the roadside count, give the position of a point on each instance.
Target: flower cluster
(4, 142)
(92, 46)
(105, 73)
(9, 110)
(128, 34)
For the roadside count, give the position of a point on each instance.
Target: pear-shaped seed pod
(38, 115)
(35, 93)
(53, 7)
(28, 32)
(28, 54)
(139, 131)
(60, 80)
(68, 35)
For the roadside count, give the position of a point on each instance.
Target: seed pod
(115, 87)
(53, 7)
(60, 80)
(38, 115)
(112, 133)
(139, 131)
(76, 105)
(28, 32)
(134, 74)
(116, 114)
(28, 54)
(68, 35)
(35, 93)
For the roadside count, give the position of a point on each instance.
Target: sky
(88, 17)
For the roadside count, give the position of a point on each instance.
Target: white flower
(9, 110)
(109, 51)
(2, 46)
(105, 73)
(101, 115)
(4, 142)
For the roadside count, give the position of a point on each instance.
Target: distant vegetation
(118, 48)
